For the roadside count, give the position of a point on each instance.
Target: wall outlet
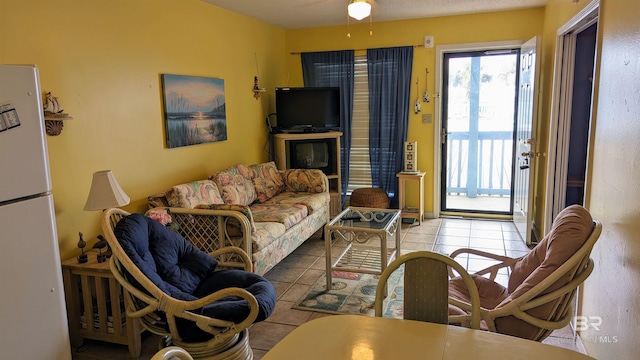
(427, 118)
(428, 41)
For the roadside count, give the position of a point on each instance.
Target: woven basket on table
(369, 197)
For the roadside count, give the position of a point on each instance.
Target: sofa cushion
(267, 180)
(195, 193)
(287, 215)
(313, 201)
(172, 263)
(304, 180)
(265, 234)
(235, 185)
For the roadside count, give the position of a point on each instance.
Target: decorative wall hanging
(194, 110)
(53, 115)
(256, 89)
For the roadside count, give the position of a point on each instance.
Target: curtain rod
(414, 46)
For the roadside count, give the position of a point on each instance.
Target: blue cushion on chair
(172, 263)
(234, 308)
(185, 272)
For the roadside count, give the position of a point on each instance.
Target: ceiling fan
(359, 9)
(356, 9)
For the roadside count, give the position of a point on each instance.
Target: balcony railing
(480, 166)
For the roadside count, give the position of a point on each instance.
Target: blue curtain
(335, 69)
(389, 72)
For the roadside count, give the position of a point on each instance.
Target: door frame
(560, 112)
(440, 51)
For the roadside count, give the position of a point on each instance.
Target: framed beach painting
(194, 110)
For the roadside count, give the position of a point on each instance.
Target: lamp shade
(105, 192)
(359, 9)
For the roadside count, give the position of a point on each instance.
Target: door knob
(443, 135)
(532, 154)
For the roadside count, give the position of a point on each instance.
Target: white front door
(525, 137)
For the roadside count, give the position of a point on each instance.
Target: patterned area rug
(353, 293)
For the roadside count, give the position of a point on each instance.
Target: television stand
(304, 131)
(283, 162)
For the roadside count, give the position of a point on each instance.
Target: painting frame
(194, 110)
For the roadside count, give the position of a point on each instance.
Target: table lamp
(105, 193)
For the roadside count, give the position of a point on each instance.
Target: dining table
(359, 337)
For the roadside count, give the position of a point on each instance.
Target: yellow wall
(104, 60)
(499, 26)
(612, 290)
(610, 294)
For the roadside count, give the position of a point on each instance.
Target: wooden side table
(407, 213)
(95, 305)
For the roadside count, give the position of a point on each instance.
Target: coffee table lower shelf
(362, 259)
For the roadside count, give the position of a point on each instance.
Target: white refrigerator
(33, 317)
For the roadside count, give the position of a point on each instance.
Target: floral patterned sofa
(266, 212)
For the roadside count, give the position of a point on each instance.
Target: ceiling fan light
(359, 9)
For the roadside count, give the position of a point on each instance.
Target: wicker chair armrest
(151, 303)
(532, 298)
(184, 309)
(504, 261)
(244, 263)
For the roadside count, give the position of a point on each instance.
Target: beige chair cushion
(570, 230)
(491, 293)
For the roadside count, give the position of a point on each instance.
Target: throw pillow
(160, 215)
(195, 193)
(267, 180)
(304, 180)
(235, 185)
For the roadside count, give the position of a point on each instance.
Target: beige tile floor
(295, 274)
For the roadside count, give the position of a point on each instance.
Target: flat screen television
(307, 109)
(313, 154)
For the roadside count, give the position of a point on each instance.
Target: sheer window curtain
(389, 104)
(335, 69)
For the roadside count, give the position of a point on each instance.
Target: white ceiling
(293, 14)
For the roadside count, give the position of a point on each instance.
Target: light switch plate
(428, 41)
(426, 118)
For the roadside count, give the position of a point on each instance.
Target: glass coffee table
(366, 232)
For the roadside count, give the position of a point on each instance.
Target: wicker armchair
(426, 297)
(541, 284)
(164, 315)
